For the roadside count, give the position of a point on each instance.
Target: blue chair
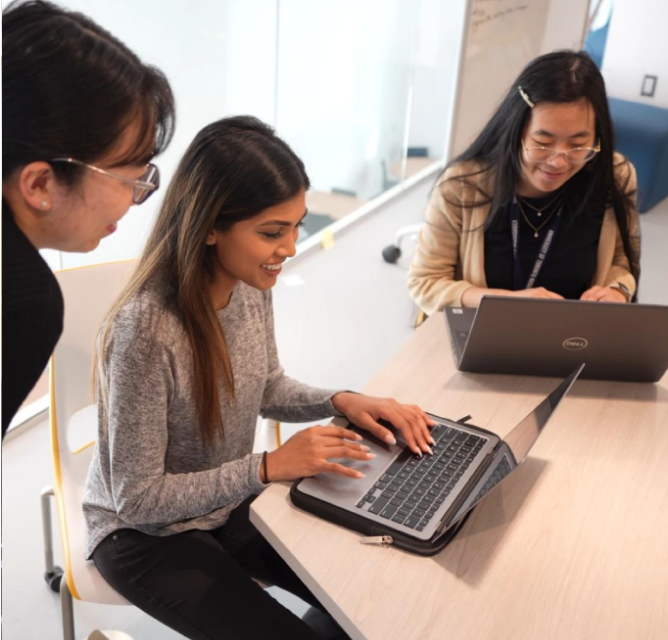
(595, 44)
(641, 132)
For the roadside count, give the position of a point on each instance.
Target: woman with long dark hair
(186, 362)
(82, 117)
(539, 205)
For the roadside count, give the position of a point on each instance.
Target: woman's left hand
(365, 411)
(603, 294)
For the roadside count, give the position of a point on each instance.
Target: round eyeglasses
(580, 155)
(147, 183)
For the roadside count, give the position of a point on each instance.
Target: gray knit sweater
(151, 470)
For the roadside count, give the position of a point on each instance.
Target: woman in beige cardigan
(539, 205)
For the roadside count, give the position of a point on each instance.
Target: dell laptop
(530, 336)
(414, 501)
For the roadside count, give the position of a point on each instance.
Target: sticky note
(327, 239)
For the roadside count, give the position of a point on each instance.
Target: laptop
(529, 336)
(413, 501)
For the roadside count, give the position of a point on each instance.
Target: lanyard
(518, 276)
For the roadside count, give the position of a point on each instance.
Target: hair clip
(525, 97)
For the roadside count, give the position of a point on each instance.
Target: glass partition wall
(363, 94)
(360, 90)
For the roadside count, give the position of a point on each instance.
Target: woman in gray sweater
(187, 360)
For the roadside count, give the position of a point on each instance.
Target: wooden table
(336, 205)
(573, 546)
(413, 165)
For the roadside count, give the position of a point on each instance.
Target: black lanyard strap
(519, 281)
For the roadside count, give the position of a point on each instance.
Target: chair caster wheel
(53, 579)
(391, 254)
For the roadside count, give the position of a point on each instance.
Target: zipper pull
(379, 540)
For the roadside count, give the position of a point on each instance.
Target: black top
(571, 262)
(32, 316)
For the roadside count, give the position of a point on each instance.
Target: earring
(44, 204)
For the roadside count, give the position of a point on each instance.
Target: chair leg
(53, 574)
(68, 611)
(47, 493)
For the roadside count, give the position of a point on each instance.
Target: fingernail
(360, 475)
(390, 439)
(363, 447)
(431, 453)
(418, 453)
(358, 436)
(370, 456)
(432, 441)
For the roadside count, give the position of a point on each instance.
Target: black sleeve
(29, 335)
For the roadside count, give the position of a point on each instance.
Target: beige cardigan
(450, 254)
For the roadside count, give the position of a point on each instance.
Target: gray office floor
(339, 317)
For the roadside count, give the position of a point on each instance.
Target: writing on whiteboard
(485, 11)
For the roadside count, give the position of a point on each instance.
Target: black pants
(200, 583)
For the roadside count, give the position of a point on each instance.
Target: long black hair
(70, 88)
(560, 77)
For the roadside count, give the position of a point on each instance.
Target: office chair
(88, 293)
(389, 180)
(392, 252)
(344, 192)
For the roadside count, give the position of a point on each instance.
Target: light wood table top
(336, 205)
(413, 165)
(573, 546)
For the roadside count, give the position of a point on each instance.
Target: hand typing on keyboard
(310, 452)
(376, 414)
(411, 491)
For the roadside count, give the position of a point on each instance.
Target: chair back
(89, 293)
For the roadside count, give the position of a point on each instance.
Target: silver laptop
(424, 497)
(528, 336)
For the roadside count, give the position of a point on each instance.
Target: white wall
(637, 45)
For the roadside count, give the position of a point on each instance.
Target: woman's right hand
(308, 452)
(536, 292)
(473, 295)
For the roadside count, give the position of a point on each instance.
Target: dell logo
(575, 344)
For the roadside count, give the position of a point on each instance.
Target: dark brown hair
(233, 170)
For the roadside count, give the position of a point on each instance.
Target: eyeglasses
(143, 187)
(580, 155)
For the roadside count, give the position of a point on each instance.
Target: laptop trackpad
(346, 490)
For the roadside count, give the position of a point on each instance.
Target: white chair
(267, 435)
(88, 293)
(392, 252)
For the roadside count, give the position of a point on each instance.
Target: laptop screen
(519, 441)
(522, 437)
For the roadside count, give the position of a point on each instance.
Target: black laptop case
(359, 523)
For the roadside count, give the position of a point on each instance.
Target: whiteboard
(499, 38)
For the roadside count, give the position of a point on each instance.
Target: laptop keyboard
(501, 471)
(412, 489)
